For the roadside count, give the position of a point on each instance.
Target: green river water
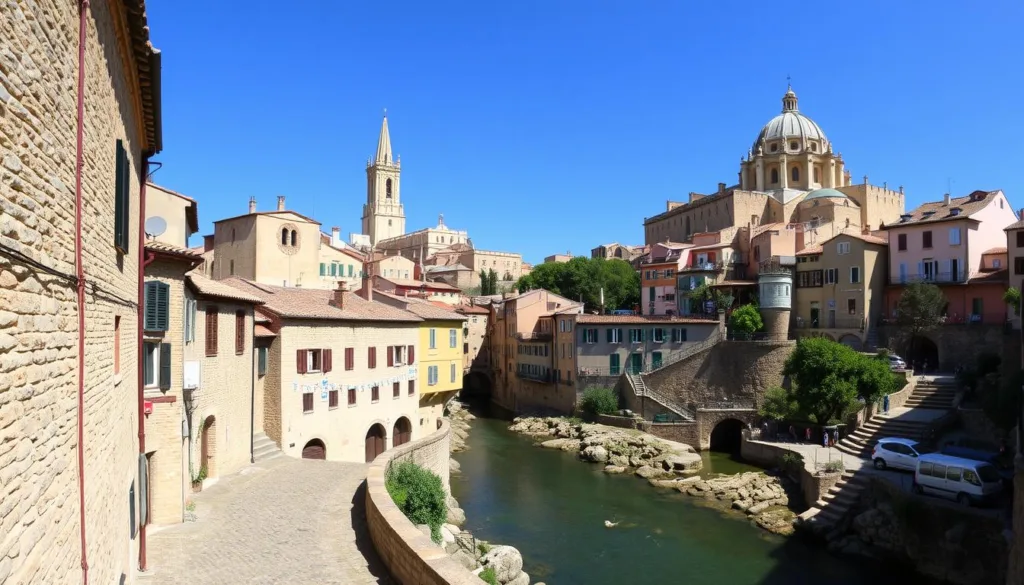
(552, 507)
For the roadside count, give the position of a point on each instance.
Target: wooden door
(402, 433)
(375, 444)
(314, 450)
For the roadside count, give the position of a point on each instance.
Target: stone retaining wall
(812, 486)
(680, 432)
(409, 555)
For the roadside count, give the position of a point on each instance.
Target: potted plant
(197, 479)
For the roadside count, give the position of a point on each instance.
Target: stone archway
(727, 435)
(208, 446)
(376, 441)
(315, 449)
(922, 353)
(852, 341)
(402, 432)
(476, 386)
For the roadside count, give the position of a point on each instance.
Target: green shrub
(835, 466)
(745, 319)
(778, 404)
(419, 494)
(489, 576)
(599, 401)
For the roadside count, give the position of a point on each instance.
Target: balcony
(847, 322)
(703, 267)
(542, 378)
(536, 336)
(959, 277)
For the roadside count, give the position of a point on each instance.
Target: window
(332, 399)
(117, 345)
(307, 402)
(1018, 264)
(926, 239)
(239, 332)
(901, 242)
(387, 186)
(231, 268)
(1020, 238)
(294, 238)
(122, 198)
(613, 364)
(954, 236)
(843, 248)
(156, 299)
(351, 396)
(313, 360)
(854, 274)
(397, 355)
(774, 148)
(150, 364)
(590, 335)
(190, 320)
(659, 335)
(636, 335)
(453, 338)
(831, 275)
(614, 335)
(284, 236)
(323, 269)
(375, 394)
(997, 263)
(396, 389)
(678, 335)
(795, 172)
(261, 361)
(808, 278)
(350, 358)
(453, 371)
(976, 306)
(775, 172)
(794, 146)
(817, 171)
(953, 473)
(412, 387)
(851, 306)
(465, 348)
(371, 357)
(433, 339)
(211, 330)
(431, 375)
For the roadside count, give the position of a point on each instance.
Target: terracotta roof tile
(161, 247)
(1015, 226)
(811, 250)
(425, 309)
(768, 227)
(211, 288)
(472, 310)
(264, 331)
(417, 283)
(862, 237)
(643, 319)
(936, 211)
(307, 303)
(995, 277)
(997, 250)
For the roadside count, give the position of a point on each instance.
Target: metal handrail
(727, 405)
(640, 388)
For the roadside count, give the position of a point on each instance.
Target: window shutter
(188, 323)
(371, 357)
(323, 269)
(262, 365)
(239, 332)
(412, 354)
(609, 335)
(150, 308)
(328, 359)
(300, 361)
(583, 335)
(165, 366)
(391, 355)
(620, 335)
(211, 331)
(350, 358)
(162, 301)
(122, 188)
(147, 367)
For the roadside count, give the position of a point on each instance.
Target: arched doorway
(922, 354)
(376, 442)
(402, 433)
(851, 341)
(208, 446)
(476, 386)
(727, 435)
(315, 449)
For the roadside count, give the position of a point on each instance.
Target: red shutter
(349, 358)
(391, 356)
(328, 361)
(371, 357)
(412, 354)
(300, 357)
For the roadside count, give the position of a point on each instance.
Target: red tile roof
(425, 309)
(307, 303)
(409, 283)
(211, 288)
(472, 310)
(643, 319)
(1000, 276)
(937, 211)
(997, 250)
(171, 250)
(811, 250)
(264, 331)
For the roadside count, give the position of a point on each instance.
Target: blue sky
(555, 125)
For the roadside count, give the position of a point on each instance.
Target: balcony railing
(543, 378)
(826, 323)
(703, 267)
(936, 277)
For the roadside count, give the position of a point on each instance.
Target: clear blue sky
(554, 125)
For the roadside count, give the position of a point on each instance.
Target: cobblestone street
(283, 521)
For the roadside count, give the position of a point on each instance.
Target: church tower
(383, 214)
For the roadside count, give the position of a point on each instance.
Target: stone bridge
(720, 428)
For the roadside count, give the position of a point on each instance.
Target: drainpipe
(83, 11)
(144, 261)
(252, 395)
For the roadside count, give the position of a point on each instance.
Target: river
(552, 507)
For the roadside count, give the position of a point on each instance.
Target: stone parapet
(410, 556)
(812, 485)
(896, 400)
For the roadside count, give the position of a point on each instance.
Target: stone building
(474, 337)
(351, 412)
(433, 291)
(508, 266)
(383, 213)
(69, 395)
(1015, 262)
(791, 175)
(616, 250)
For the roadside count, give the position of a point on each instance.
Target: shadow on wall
(730, 370)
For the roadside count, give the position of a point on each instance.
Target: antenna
(155, 226)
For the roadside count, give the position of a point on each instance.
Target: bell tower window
(795, 174)
(387, 189)
(775, 176)
(284, 236)
(294, 238)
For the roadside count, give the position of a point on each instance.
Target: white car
(959, 479)
(896, 362)
(897, 453)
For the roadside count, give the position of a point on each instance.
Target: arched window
(295, 239)
(775, 176)
(387, 189)
(795, 174)
(284, 236)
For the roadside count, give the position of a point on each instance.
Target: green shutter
(682, 335)
(121, 198)
(162, 301)
(609, 334)
(165, 366)
(150, 308)
(583, 335)
(323, 269)
(613, 364)
(621, 339)
(262, 367)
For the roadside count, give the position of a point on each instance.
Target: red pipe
(80, 274)
(143, 262)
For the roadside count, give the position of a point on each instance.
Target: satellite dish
(155, 226)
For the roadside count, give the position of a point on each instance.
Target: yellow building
(440, 353)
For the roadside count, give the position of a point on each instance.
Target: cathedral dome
(790, 124)
(825, 193)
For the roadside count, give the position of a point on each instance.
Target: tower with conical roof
(383, 213)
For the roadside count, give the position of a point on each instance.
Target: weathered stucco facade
(40, 511)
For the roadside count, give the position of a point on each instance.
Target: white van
(955, 478)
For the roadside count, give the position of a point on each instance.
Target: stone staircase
(937, 393)
(828, 513)
(264, 448)
(636, 381)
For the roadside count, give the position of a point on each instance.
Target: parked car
(955, 478)
(897, 453)
(896, 362)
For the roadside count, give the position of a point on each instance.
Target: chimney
(335, 235)
(945, 199)
(721, 187)
(339, 294)
(252, 205)
(280, 202)
(367, 291)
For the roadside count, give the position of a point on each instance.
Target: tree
(875, 378)
(746, 319)
(584, 278)
(920, 309)
(1012, 297)
(599, 401)
(492, 281)
(778, 404)
(484, 289)
(825, 378)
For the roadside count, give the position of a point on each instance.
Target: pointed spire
(384, 144)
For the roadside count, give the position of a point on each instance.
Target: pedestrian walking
(835, 436)
(824, 440)
(807, 435)
(885, 404)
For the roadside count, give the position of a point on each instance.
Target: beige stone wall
(342, 429)
(224, 397)
(171, 207)
(259, 395)
(39, 509)
(474, 336)
(878, 205)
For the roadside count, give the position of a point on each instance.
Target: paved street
(284, 521)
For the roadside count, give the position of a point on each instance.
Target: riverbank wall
(813, 485)
(409, 555)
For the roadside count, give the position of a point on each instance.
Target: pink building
(658, 271)
(958, 244)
